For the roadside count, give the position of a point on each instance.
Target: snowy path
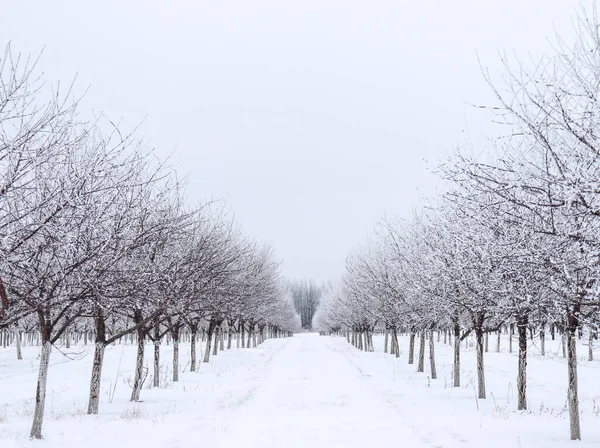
(314, 396)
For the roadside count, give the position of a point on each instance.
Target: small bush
(133, 413)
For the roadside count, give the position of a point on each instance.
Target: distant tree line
(306, 296)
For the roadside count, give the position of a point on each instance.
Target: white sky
(311, 118)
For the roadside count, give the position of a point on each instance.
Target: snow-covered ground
(302, 391)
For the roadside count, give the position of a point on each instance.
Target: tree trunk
(511, 331)
(421, 365)
(591, 346)
(456, 365)
(432, 357)
(480, 369)
(563, 343)
(221, 339)
(216, 341)
(40, 394)
(95, 381)
(194, 332)
(498, 341)
(156, 377)
(572, 395)
(395, 342)
(242, 336)
(487, 340)
(522, 322)
(94, 400)
(139, 367)
(209, 334)
(385, 341)
(411, 348)
(229, 337)
(531, 333)
(542, 341)
(18, 341)
(175, 334)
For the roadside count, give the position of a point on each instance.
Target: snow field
(449, 417)
(307, 390)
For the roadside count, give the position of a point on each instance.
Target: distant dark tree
(306, 295)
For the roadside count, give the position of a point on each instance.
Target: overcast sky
(311, 118)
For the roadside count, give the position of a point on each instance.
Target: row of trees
(96, 236)
(514, 243)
